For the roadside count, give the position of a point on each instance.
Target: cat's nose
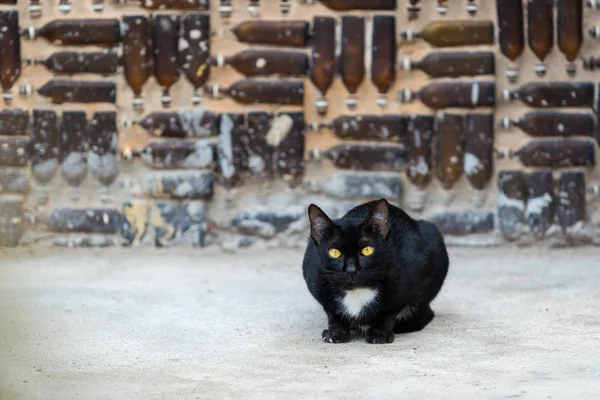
(350, 270)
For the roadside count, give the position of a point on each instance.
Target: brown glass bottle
(597, 115)
(511, 35)
(261, 155)
(353, 184)
(367, 156)
(138, 55)
(591, 63)
(544, 123)
(418, 142)
(352, 57)
(14, 122)
(455, 33)
(199, 185)
(200, 5)
(232, 154)
(349, 5)
(439, 95)
(73, 148)
(554, 94)
(71, 91)
(479, 149)
(257, 91)
(12, 223)
(194, 51)
(290, 150)
(45, 140)
(556, 153)
(569, 30)
(323, 59)
(14, 151)
(370, 127)
(261, 62)
(512, 197)
(571, 210)
(10, 52)
(540, 23)
(196, 123)
(103, 142)
(383, 55)
(170, 154)
(165, 40)
(14, 180)
(275, 33)
(454, 64)
(76, 62)
(449, 149)
(74, 32)
(275, 144)
(463, 222)
(541, 202)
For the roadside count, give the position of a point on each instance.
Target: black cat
(376, 268)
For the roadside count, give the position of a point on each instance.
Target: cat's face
(352, 254)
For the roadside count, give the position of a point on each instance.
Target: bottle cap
(98, 6)
(505, 123)
(31, 33)
(507, 95)
(253, 10)
(64, 6)
(26, 89)
(512, 74)
(351, 102)
(322, 106)
(540, 69)
(571, 69)
(7, 97)
(406, 95)
(408, 35)
(406, 64)
(225, 9)
(215, 91)
(138, 103)
(315, 154)
(35, 10)
(196, 99)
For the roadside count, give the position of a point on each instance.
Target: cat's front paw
(376, 336)
(335, 336)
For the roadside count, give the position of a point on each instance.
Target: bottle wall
(246, 117)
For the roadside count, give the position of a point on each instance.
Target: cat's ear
(378, 220)
(320, 224)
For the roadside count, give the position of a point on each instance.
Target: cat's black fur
(407, 268)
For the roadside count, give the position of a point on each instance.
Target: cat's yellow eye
(334, 253)
(367, 251)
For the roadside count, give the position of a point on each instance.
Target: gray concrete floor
(147, 324)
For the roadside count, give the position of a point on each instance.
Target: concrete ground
(172, 324)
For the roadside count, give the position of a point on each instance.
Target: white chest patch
(355, 301)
